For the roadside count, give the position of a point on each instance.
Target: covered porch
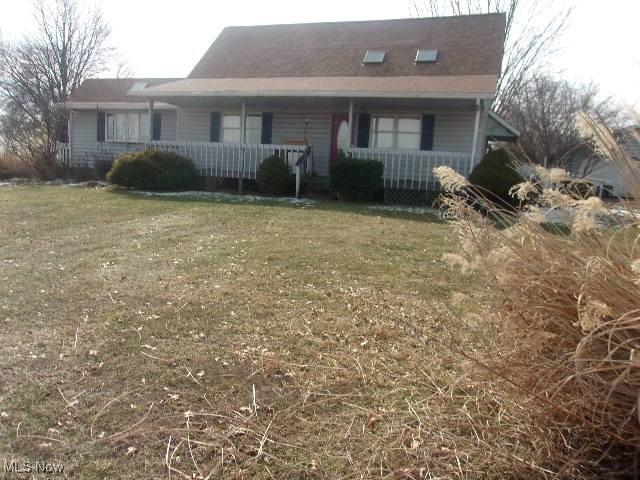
(229, 137)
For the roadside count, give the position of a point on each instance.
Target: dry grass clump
(12, 167)
(572, 295)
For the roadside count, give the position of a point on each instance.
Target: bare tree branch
(39, 71)
(532, 28)
(545, 111)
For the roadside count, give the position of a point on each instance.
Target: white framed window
(231, 128)
(395, 132)
(127, 127)
(382, 132)
(254, 129)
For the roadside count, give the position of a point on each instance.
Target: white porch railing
(413, 169)
(63, 154)
(232, 160)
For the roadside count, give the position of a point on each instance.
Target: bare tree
(545, 110)
(39, 71)
(532, 27)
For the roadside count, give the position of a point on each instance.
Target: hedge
(356, 179)
(273, 176)
(152, 170)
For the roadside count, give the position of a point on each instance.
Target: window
(408, 133)
(374, 57)
(254, 129)
(231, 130)
(382, 132)
(395, 132)
(127, 127)
(426, 56)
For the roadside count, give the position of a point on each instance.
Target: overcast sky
(162, 38)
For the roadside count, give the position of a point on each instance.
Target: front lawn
(145, 337)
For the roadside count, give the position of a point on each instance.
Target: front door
(340, 140)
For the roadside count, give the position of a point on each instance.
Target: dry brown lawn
(190, 338)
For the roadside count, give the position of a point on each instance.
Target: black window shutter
(428, 126)
(267, 128)
(157, 126)
(364, 126)
(102, 119)
(214, 131)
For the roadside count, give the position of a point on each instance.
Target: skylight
(374, 57)
(426, 56)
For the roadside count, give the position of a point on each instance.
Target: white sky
(165, 38)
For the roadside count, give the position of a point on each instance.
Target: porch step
(319, 184)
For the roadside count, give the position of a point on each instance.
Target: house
(610, 178)
(412, 93)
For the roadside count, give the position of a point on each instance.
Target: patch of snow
(229, 197)
(406, 209)
(91, 183)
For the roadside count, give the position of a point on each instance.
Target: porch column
(350, 123)
(476, 132)
(243, 141)
(150, 132)
(243, 122)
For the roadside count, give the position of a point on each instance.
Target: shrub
(152, 170)
(569, 307)
(496, 175)
(273, 176)
(357, 179)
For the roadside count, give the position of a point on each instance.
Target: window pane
(111, 127)
(133, 126)
(231, 135)
(144, 126)
(409, 125)
(254, 121)
(383, 140)
(231, 121)
(383, 124)
(121, 127)
(254, 136)
(409, 140)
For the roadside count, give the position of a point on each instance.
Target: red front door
(339, 135)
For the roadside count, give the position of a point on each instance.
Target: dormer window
(426, 56)
(374, 57)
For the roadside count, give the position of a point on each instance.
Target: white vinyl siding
(290, 126)
(453, 131)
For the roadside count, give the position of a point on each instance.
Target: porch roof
(445, 86)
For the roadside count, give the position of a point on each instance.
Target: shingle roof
(112, 89)
(467, 45)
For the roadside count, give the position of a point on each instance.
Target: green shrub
(496, 174)
(152, 170)
(357, 179)
(273, 176)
